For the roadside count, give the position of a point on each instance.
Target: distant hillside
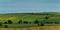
(30, 16)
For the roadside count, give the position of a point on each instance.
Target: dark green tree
(36, 22)
(49, 22)
(25, 22)
(46, 17)
(1, 24)
(6, 26)
(20, 22)
(10, 22)
(42, 24)
(5, 23)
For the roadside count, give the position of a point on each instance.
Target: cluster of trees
(21, 22)
(40, 23)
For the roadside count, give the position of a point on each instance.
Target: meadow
(53, 19)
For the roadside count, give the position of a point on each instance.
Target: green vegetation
(27, 19)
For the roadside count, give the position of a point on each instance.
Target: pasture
(53, 19)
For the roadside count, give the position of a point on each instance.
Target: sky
(29, 6)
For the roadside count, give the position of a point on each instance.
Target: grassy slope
(15, 17)
(28, 17)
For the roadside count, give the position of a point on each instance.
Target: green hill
(29, 16)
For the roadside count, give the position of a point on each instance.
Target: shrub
(49, 22)
(1, 24)
(9, 22)
(42, 24)
(46, 17)
(20, 22)
(5, 23)
(6, 26)
(36, 22)
(25, 22)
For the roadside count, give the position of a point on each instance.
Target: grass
(35, 28)
(15, 17)
(20, 25)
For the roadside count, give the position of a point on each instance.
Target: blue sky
(28, 6)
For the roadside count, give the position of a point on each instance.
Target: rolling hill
(29, 16)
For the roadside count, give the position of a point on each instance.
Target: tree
(46, 17)
(42, 24)
(49, 22)
(25, 22)
(36, 22)
(9, 22)
(47, 14)
(6, 26)
(1, 24)
(20, 22)
(5, 23)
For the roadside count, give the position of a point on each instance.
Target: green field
(30, 17)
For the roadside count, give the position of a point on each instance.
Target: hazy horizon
(29, 6)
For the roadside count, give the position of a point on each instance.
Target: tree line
(39, 23)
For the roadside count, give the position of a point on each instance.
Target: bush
(6, 26)
(36, 22)
(5, 23)
(9, 22)
(49, 22)
(1, 24)
(20, 22)
(42, 24)
(46, 17)
(25, 22)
